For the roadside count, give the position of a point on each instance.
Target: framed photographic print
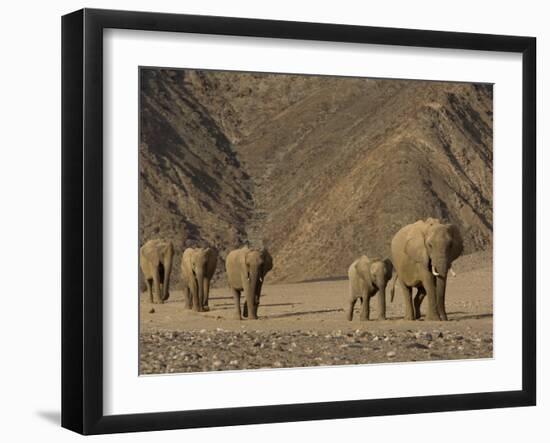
(311, 220)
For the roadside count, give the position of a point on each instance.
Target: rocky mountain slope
(317, 169)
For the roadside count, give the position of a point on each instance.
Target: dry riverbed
(303, 324)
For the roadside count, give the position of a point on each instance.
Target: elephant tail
(392, 286)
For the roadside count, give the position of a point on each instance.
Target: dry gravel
(207, 350)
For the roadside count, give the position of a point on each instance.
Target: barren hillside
(317, 169)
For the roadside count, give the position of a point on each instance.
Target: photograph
(290, 220)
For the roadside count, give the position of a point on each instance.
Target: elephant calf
(155, 260)
(366, 278)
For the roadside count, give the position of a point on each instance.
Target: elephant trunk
(439, 266)
(440, 287)
(166, 280)
(200, 286)
(250, 294)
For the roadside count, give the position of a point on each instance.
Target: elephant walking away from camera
(368, 277)
(155, 260)
(422, 254)
(246, 270)
(197, 267)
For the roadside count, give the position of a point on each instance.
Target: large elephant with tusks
(155, 261)
(246, 270)
(422, 254)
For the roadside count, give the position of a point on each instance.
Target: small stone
(391, 354)
(217, 363)
(429, 336)
(417, 346)
(152, 311)
(234, 362)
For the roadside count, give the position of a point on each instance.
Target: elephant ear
(415, 247)
(212, 255)
(268, 262)
(242, 258)
(457, 246)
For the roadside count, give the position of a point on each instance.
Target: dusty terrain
(319, 170)
(302, 324)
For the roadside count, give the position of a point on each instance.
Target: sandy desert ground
(303, 324)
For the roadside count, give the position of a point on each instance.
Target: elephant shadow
(226, 306)
(300, 313)
(467, 316)
(457, 316)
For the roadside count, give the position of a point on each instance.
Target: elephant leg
(186, 298)
(237, 300)
(407, 301)
(350, 305)
(149, 290)
(157, 295)
(418, 301)
(206, 291)
(197, 305)
(365, 308)
(382, 303)
(429, 287)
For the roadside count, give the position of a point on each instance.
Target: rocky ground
(207, 350)
(303, 324)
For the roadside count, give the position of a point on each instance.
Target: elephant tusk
(261, 280)
(434, 272)
(453, 273)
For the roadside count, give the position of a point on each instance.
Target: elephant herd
(245, 268)
(421, 256)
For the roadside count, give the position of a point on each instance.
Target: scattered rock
(221, 349)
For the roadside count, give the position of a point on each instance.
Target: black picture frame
(82, 218)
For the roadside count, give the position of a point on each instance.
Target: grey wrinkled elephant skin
(246, 270)
(422, 254)
(155, 260)
(197, 267)
(368, 277)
